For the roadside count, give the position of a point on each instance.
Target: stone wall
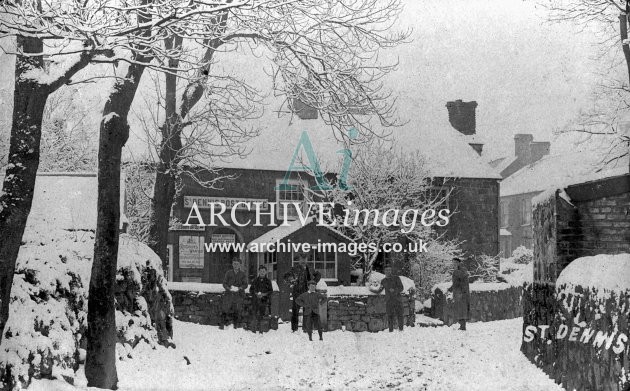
(605, 224)
(570, 357)
(203, 304)
(488, 302)
(586, 219)
(365, 312)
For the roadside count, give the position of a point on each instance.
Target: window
(322, 261)
(504, 213)
(270, 260)
(292, 193)
(526, 211)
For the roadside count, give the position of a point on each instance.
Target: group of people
(303, 283)
(235, 284)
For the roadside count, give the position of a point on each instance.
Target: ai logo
(313, 166)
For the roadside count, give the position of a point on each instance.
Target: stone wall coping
(205, 287)
(478, 286)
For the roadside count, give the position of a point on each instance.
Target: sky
(526, 74)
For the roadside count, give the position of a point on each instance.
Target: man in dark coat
(298, 278)
(461, 293)
(234, 283)
(260, 290)
(393, 300)
(310, 301)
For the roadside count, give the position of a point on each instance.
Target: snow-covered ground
(486, 357)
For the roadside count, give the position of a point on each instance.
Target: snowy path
(486, 357)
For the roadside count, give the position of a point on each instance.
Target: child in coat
(310, 301)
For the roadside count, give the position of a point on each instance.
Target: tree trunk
(170, 147)
(623, 35)
(171, 144)
(16, 197)
(100, 363)
(160, 209)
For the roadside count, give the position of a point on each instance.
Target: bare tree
(75, 34)
(605, 120)
(323, 55)
(393, 200)
(67, 143)
(215, 130)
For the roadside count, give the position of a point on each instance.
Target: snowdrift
(44, 336)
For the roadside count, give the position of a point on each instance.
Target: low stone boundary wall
(352, 308)
(359, 309)
(488, 302)
(201, 303)
(585, 344)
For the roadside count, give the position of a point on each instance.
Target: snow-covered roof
(68, 201)
(604, 271)
(446, 150)
(561, 170)
(283, 231)
(503, 163)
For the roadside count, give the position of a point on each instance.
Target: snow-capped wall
(48, 319)
(365, 312)
(578, 334)
(488, 302)
(608, 273)
(201, 303)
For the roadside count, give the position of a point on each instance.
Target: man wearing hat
(260, 289)
(234, 283)
(310, 301)
(461, 293)
(298, 278)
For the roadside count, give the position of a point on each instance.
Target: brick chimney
(522, 148)
(539, 149)
(461, 115)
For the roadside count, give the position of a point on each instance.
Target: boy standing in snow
(393, 302)
(298, 278)
(260, 290)
(234, 283)
(310, 301)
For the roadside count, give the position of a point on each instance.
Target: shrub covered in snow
(48, 315)
(522, 255)
(433, 267)
(486, 268)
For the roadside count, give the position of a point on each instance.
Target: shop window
(290, 194)
(270, 260)
(324, 262)
(526, 211)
